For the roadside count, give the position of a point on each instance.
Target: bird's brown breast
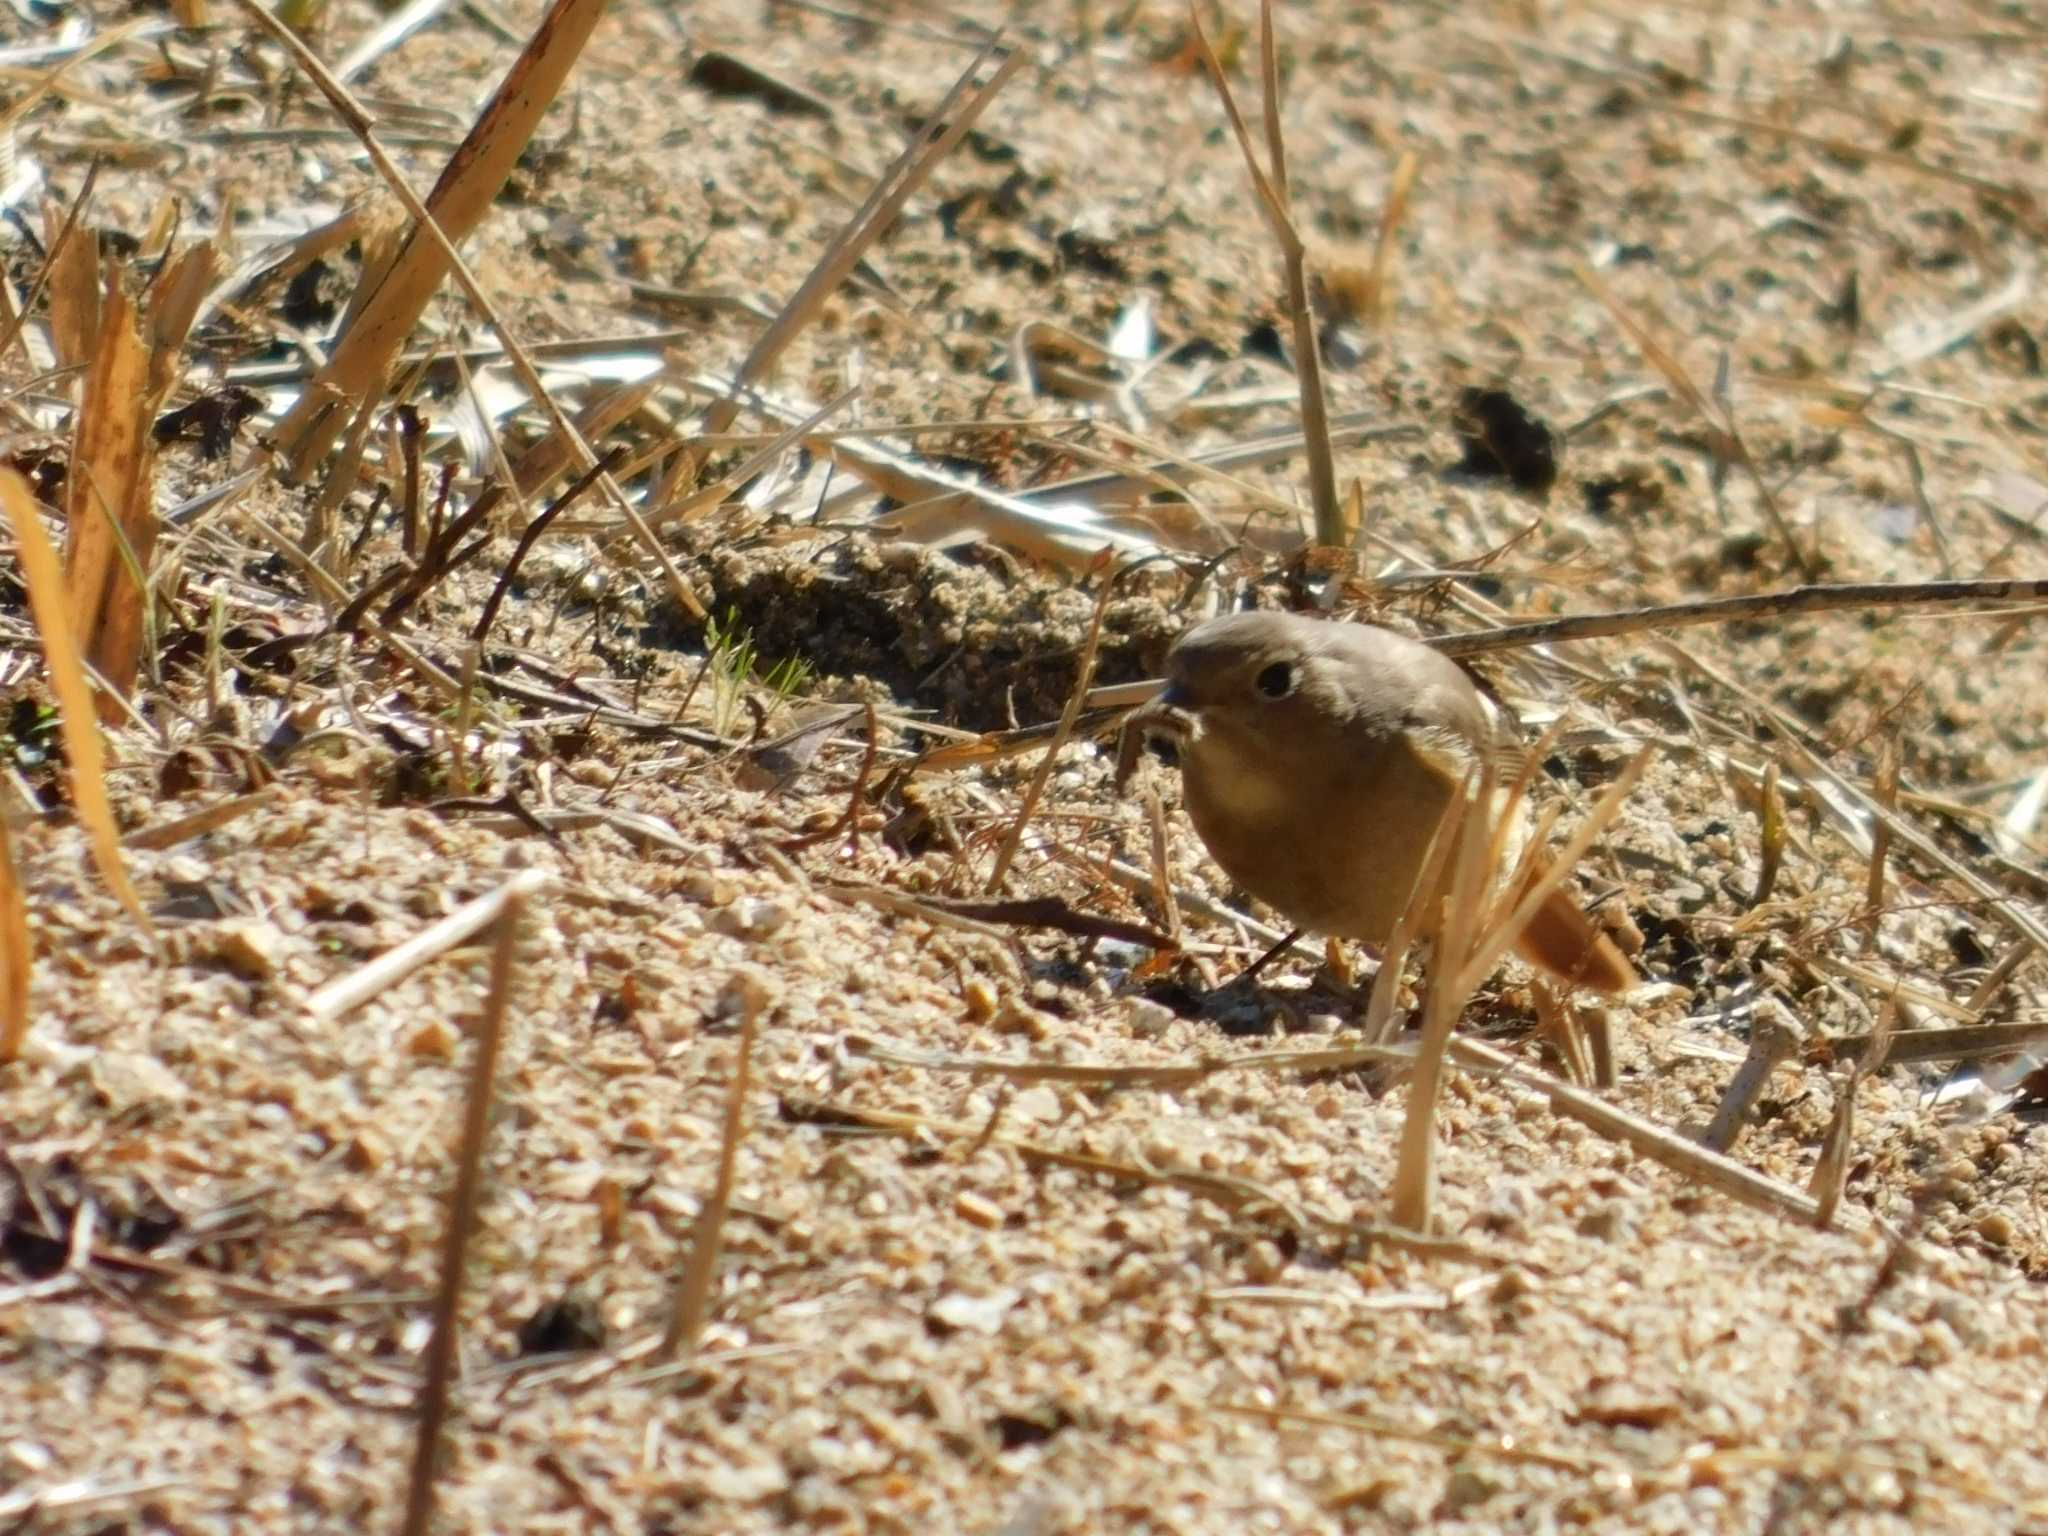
(1331, 837)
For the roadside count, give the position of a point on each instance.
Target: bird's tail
(1563, 941)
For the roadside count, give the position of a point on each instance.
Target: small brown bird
(1319, 758)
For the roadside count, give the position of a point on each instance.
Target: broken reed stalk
(1772, 835)
(1105, 563)
(182, 829)
(1470, 942)
(1679, 1153)
(1232, 1193)
(707, 1233)
(84, 752)
(1831, 1169)
(464, 194)
(111, 525)
(509, 904)
(1270, 192)
(1676, 1152)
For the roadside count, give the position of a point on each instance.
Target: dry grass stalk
(508, 906)
(1168, 1077)
(661, 510)
(936, 503)
(1014, 839)
(1728, 441)
(83, 750)
(1232, 1193)
(1831, 1170)
(1772, 835)
(469, 184)
(1683, 1156)
(182, 829)
(1498, 937)
(1558, 1024)
(1162, 887)
(553, 456)
(1469, 831)
(17, 952)
(71, 272)
(1379, 1026)
(1886, 789)
(948, 123)
(1791, 602)
(700, 1269)
(1976, 1042)
(1994, 982)
(472, 917)
(1270, 190)
(558, 40)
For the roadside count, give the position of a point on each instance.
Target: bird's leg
(1339, 964)
(1251, 972)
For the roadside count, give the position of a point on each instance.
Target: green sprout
(734, 663)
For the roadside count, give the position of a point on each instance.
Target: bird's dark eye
(1276, 681)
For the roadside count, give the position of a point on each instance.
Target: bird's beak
(1165, 721)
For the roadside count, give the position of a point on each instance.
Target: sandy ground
(958, 1298)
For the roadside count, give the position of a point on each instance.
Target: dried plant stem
(1379, 290)
(59, 248)
(1015, 838)
(352, 113)
(1465, 829)
(84, 752)
(17, 952)
(509, 906)
(1270, 190)
(182, 829)
(359, 986)
(1789, 603)
(1775, 1037)
(1676, 1152)
(949, 123)
(700, 1269)
(1728, 443)
(1386, 987)
(1886, 790)
(1486, 951)
(1232, 1193)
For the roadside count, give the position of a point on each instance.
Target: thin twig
(510, 905)
(1008, 851)
(707, 1236)
(359, 986)
(1791, 602)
